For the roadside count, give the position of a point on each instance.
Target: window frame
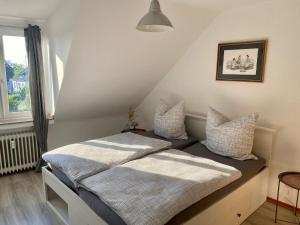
(6, 116)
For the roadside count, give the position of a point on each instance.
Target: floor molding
(282, 204)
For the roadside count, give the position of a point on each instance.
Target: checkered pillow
(169, 121)
(230, 138)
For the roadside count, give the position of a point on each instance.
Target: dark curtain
(36, 77)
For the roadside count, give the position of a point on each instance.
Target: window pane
(16, 73)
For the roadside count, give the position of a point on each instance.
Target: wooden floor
(21, 203)
(265, 216)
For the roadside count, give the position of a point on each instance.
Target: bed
(248, 168)
(233, 203)
(175, 143)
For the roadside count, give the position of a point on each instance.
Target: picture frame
(241, 61)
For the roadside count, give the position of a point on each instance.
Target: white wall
(67, 132)
(102, 65)
(60, 29)
(112, 66)
(277, 99)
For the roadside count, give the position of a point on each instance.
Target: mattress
(248, 168)
(176, 144)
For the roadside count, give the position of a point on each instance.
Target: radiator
(18, 151)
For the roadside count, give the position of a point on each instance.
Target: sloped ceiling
(111, 65)
(218, 5)
(31, 9)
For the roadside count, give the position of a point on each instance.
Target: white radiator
(18, 152)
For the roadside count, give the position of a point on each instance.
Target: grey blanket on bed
(152, 190)
(78, 161)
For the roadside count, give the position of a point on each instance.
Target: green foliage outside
(19, 101)
(14, 70)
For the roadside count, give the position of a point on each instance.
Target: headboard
(263, 140)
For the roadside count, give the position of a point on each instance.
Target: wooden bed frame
(233, 209)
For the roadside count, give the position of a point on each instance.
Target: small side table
(291, 179)
(136, 131)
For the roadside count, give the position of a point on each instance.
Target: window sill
(6, 125)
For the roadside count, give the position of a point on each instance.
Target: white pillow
(169, 121)
(230, 138)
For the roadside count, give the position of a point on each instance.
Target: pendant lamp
(155, 20)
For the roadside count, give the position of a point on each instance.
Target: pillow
(169, 121)
(230, 138)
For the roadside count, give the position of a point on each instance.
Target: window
(15, 96)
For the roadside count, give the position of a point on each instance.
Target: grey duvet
(81, 160)
(152, 190)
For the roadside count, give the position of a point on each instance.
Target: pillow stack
(230, 138)
(169, 121)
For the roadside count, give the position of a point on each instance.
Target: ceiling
(218, 5)
(42, 9)
(29, 9)
(115, 65)
(112, 66)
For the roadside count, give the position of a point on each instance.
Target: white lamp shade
(155, 20)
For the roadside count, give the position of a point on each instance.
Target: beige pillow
(232, 138)
(169, 121)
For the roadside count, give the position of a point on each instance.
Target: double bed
(249, 169)
(174, 144)
(232, 203)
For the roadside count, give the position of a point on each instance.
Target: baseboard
(282, 204)
(17, 172)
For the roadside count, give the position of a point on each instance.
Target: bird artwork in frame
(241, 61)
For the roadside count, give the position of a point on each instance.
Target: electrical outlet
(12, 144)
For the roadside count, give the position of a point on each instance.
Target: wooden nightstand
(136, 131)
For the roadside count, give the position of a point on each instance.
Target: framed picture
(241, 61)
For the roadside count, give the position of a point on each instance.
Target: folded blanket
(78, 161)
(152, 190)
